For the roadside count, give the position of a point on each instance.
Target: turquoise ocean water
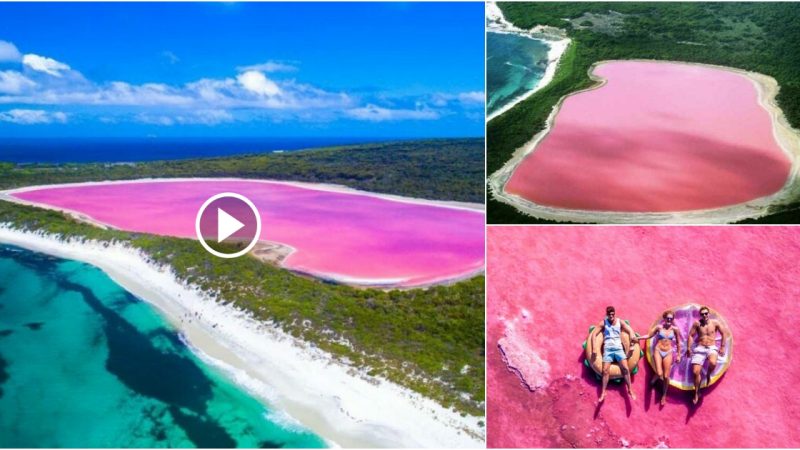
(514, 65)
(84, 363)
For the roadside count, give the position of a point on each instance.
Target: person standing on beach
(706, 348)
(613, 349)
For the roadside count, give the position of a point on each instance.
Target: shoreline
(397, 283)
(341, 403)
(786, 137)
(327, 187)
(556, 42)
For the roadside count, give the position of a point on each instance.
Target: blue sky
(241, 69)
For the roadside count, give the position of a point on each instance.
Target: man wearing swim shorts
(613, 350)
(706, 348)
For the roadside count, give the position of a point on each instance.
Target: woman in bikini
(666, 333)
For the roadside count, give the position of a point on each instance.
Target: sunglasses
(670, 318)
(704, 313)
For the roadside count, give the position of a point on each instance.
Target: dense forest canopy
(440, 169)
(759, 37)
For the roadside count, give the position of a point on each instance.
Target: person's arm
(724, 333)
(691, 338)
(590, 343)
(631, 340)
(628, 329)
(652, 333)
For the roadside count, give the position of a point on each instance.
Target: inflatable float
(634, 350)
(681, 375)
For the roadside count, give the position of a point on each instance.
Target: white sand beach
(558, 43)
(305, 385)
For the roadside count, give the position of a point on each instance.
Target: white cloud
(171, 57)
(32, 116)
(9, 52)
(472, 97)
(375, 113)
(121, 93)
(212, 90)
(12, 82)
(155, 120)
(44, 64)
(257, 82)
(204, 117)
(249, 95)
(268, 67)
(211, 117)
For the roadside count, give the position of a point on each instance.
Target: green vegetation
(420, 338)
(441, 169)
(429, 340)
(760, 37)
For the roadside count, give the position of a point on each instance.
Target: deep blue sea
(84, 363)
(81, 150)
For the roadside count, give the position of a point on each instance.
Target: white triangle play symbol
(226, 225)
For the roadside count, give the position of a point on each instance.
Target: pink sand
(657, 137)
(550, 283)
(337, 235)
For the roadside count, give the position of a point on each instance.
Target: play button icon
(228, 225)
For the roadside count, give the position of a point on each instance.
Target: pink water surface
(338, 235)
(546, 285)
(657, 137)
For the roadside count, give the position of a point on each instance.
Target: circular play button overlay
(228, 225)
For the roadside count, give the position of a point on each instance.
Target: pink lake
(350, 237)
(657, 137)
(547, 285)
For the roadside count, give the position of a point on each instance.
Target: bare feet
(663, 400)
(632, 394)
(696, 398)
(602, 397)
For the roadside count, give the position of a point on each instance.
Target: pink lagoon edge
(333, 232)
(655, 142)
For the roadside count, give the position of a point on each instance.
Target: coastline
(787, 138)
(340, 403)
(556, 42)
